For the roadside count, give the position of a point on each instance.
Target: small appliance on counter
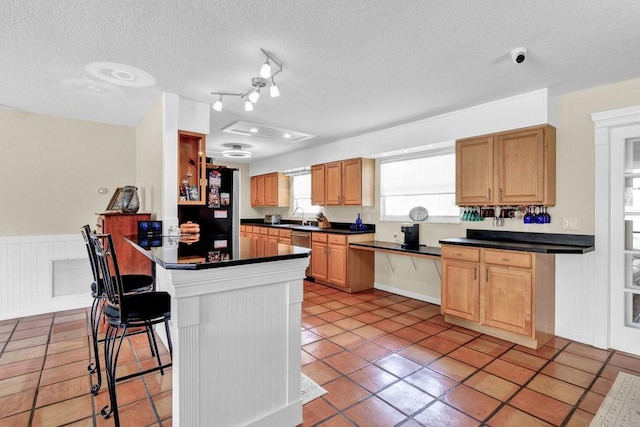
(272, 219)
(411, 236)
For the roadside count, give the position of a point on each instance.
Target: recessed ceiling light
(246, 129)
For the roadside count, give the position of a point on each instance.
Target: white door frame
(612, 129)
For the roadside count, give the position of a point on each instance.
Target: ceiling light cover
(236, 152)
(273, 90)
(120, 74)
(265, 70)
(254, 96)
(218, 104)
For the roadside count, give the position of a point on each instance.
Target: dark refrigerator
(219, 217)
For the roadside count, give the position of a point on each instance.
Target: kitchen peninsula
(235, 330)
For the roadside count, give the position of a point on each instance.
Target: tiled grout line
(558, 352)
(591, 384)
(44, 360)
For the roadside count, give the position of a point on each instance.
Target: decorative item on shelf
(130, 200)
(252, 95)
(188, 191)
(472, 214)
(358, 225)
(536, 215)
(189, 228)
(323, 222)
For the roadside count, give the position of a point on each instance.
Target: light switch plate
(570, 223)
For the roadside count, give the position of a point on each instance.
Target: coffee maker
(411, 236)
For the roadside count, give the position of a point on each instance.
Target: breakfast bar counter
(235, 329)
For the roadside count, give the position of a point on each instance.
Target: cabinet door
(337, 264)
(317, 185)
(319, 260)
(474, 171)
(333, 184)
(271, 189)
(352, 182)
(254, 191)
(521, 167)
(460, 294)
(508, 303)
(260, 190)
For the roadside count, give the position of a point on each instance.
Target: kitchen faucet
(302, 210)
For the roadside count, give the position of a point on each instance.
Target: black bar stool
(124, 311)
(132, 283)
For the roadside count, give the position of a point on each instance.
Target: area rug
(310, 390)
(621, 406)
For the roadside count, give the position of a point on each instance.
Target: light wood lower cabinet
(130, 261)
(507, 294)
(334, 264)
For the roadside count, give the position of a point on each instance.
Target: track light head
(218, 104)
(273, 89)
(265, 70)
(248, 105)
(254, 96)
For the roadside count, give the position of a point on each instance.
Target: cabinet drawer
(319, 237)
(274, 232)
(461, 252)
(285, 234)
(508, 258)
(337, 239)
(264, 230)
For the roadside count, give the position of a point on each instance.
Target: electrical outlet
(570, 223)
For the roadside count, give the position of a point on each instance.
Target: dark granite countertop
(430, 251)
(174, 253)
(550, 243)
(336, 228)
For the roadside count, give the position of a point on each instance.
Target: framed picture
(115, 204)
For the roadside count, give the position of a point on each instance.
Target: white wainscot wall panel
(575, 303)
(26, 274)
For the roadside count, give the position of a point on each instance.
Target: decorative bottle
(358, 223)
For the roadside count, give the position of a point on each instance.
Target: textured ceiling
(350, 67)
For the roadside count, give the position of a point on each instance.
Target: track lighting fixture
(218, 104)
(253, 94)
(273, 89)
(265, 70)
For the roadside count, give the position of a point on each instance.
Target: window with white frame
(302, 196)
(426, 179)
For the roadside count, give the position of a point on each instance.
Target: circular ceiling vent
(120, 74)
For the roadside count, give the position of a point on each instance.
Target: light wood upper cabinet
(526, 166)
(271, 189)
(333, 184)
(508, 168)
(345, 183)
(474, 171)
(317, 185)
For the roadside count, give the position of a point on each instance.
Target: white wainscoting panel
(575, 302)
(26, 274)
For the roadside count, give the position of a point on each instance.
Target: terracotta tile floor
(385, 359)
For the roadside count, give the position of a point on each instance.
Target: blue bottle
(358, 223)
